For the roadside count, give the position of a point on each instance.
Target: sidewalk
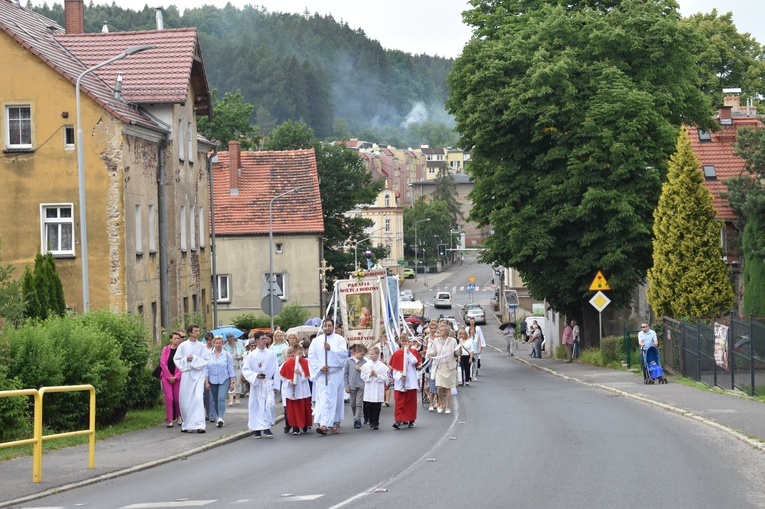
(732, 413)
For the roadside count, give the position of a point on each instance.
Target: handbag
(479, 363)
(157, 373)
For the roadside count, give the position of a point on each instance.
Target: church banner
(361, 307)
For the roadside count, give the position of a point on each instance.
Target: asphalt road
(521, 438)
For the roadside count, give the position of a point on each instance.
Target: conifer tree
(688, 278)
(42, 289)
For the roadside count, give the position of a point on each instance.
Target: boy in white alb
(374, 374)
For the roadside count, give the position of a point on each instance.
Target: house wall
(245, 259)
(49, 174)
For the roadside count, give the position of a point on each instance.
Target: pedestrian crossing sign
(599, 283)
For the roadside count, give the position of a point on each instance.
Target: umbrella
(313, 322)
(412, 319)
(506, 325)
(225, 331)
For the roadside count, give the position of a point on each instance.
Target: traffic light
(442, 250)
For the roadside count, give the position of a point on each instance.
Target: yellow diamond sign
(599, 301)
(471, 279)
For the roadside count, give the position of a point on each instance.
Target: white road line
(299, 498)
(174, 503)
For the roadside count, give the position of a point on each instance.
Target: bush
(250, 321)
(130, 331)
(66, 351)
(15, 412)
(560, 352)
(291, 315)
(611, 349)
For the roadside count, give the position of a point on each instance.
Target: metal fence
(735, 361)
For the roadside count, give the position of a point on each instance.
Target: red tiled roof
(159, 75)
(719, 153)
(265, 175)
(71, 55)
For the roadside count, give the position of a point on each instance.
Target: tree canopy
(230, 122)
(689, 278)
(572, 110)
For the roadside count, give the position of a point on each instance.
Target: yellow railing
(38, 438)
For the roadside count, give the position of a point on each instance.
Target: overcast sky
(433, 26)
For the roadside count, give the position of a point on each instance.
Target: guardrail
(38, 438)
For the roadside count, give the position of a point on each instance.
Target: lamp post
(415, 245)
(271, 247)
(356, 247)
(81, 172)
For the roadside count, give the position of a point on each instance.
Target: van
(443, 300)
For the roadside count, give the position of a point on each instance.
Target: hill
(306, 67)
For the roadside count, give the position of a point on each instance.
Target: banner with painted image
(361, 308)
(721, 345)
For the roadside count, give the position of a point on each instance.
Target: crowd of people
(315, 377)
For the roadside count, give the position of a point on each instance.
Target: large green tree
(689, 278)
(42, 291)
(572, 109)
(344, 183)
(746, 195)
(445, 191)
(230, 122)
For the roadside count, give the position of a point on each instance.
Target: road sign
(265, 305)
(471, 279)
(599, 301)
(401, 262)
(471, 287)
(599, 283)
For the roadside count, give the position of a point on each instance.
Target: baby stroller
(652, 370)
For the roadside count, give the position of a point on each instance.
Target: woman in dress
(171, 379)
(443, 352)
(279, 345)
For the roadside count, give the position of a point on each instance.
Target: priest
(326, 357)
(191, 357)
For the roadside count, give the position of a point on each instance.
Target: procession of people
(200, 378)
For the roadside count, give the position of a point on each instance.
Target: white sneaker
(220, 423)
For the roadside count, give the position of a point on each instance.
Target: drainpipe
(210, 161)
(162, 206)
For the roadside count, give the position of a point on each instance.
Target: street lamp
(415, 245)
(356, 247)
(81, 172)
(271, 248)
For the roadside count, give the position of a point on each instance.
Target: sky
(433, 27)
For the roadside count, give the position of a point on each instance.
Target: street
(519, 438)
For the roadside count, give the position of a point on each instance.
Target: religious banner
(721, 345)
(360, 302)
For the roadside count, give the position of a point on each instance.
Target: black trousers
(372, 411)
(465, 366)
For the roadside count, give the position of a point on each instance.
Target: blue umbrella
(225, 331)
(314, 322)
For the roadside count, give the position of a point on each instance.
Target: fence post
(751, 351)
(729, 349)
(627, 345)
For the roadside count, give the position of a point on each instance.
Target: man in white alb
(191, 357)
(326, 357)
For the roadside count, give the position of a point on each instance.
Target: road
(519, 438)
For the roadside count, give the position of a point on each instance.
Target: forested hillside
(306, 67)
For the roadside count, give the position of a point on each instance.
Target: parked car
(443, 300)
(406, 295)
(408, 273)
(476, 312)
(466, 307)
(452, 320)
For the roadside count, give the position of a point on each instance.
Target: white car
(443, 300)
(407, 295)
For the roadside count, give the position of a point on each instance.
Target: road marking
(300, 498)
(174, 503)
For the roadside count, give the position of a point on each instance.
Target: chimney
(74, 16)
(234, 165)
(725, 115)
(105, 28)
(160, 19)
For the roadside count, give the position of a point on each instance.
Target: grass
(134, 421)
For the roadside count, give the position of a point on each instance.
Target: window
(57, 228)
(280, 282)
(223, 288)
(387, 200)
(705, 137)
(387, 225)
(192, 227)
(279, 248)
(190, 143)
(138, 233)
(180, 140)
(184, 219)
(709, 172)
(201, 227)
(152, 230)
(18, 132)
(69, 137)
